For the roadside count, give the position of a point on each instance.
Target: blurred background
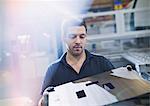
(30, 39)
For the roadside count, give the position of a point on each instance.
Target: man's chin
(77, 53)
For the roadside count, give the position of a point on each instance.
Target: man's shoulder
(102, 60)
(97, 56)
(54, 64)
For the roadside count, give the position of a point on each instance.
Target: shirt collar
(88, 56)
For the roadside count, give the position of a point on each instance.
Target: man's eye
(82, 36)
(72, 36)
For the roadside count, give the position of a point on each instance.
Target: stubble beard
(75, 53)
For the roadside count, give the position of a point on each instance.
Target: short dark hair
(73, 22)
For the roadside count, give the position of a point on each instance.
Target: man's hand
(41, 101)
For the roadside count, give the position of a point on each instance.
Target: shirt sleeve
(47, 79)
(108, 65)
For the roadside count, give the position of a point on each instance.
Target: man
(77, 62)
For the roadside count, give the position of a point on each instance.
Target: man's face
(76, 39)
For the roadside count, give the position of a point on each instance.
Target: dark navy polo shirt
(61, 72)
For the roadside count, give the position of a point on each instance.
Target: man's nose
(78, 39)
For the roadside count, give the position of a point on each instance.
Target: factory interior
(30, 39)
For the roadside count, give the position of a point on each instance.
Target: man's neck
(72, 58)
(76, 62)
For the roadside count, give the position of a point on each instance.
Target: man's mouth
(77, 47)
